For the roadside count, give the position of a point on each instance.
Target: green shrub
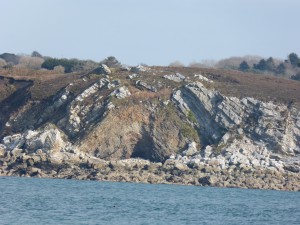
(70, 65)
(191, 117)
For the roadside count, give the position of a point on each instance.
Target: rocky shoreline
(172, 171)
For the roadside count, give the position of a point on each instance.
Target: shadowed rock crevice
(144, 148)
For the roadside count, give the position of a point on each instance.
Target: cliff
(152, 124)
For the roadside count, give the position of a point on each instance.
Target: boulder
(191, 150)
(35, 170)
(180, 166)
(16, 152)
(208, 180)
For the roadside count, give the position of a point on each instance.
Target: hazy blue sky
(155, 32)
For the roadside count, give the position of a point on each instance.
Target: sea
(58, 201)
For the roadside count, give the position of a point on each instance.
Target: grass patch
(169, 113)
(218, 149)
(192, 117)
(189, 132)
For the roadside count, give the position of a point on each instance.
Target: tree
(70, 65)
(50, 63)
(280, 69)
(270, 64)
(262, 65)
(294, 59)
(36, 54)
(244, 66)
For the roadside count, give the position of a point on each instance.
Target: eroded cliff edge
(156, 125)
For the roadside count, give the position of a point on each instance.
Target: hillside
(152, 124)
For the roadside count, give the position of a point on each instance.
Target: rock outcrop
(177, 77)
(139, 68)
(102, 69)
(113, 128)
(144, 85)
(275, 126)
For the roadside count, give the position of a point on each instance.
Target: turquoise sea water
(54, 201)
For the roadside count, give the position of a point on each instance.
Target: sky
(155, 32)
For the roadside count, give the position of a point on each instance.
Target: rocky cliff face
(176, 119)
(275, 126)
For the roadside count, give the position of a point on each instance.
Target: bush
(70, 65)
(30, 62)
(59, 69)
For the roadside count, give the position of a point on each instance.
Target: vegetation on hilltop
(37, 61)
(289, 67)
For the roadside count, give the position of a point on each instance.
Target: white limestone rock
(272, 124)
(121, 92)
(203, 78)
(102, 69)
(13, 141)
(139, 68)
(48, 138)
(191, 150)
(177, 77)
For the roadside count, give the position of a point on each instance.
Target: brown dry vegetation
(239, 84)
(230, 83)
(45, 82)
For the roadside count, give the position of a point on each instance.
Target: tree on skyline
(244, 66)
(294, 59)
